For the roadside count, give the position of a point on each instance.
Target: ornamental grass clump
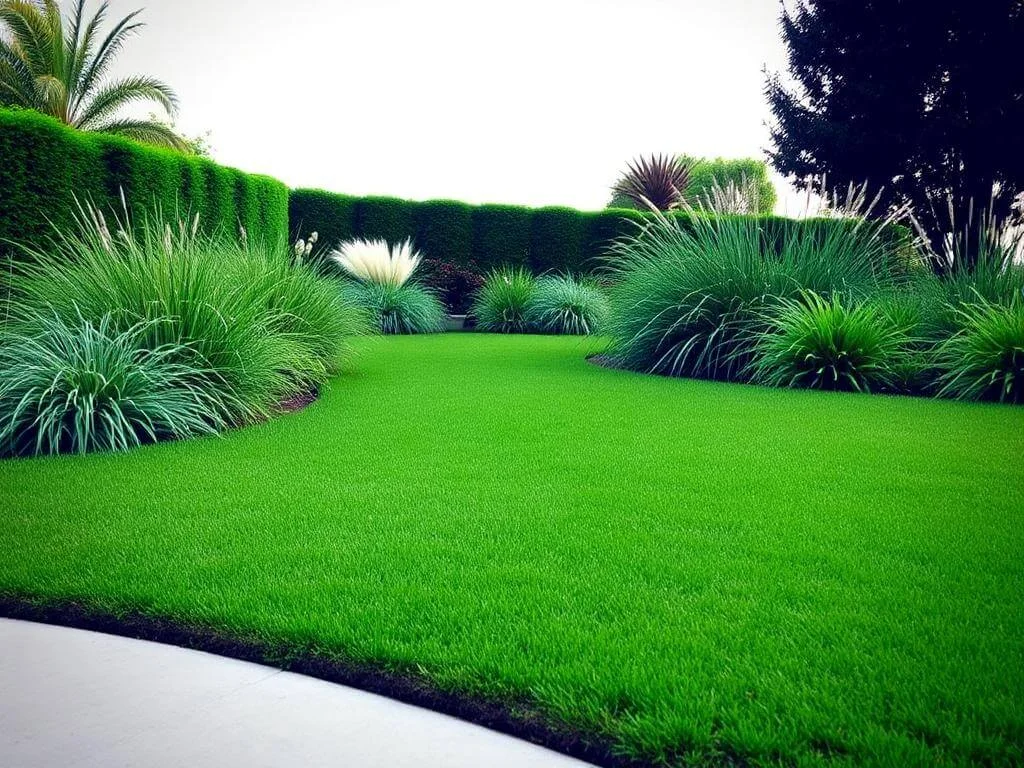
(254, 328)
(984, 360)
(692, 301)
(382, 282)
(563, 304)
(503, 303)
(72, 387)
(831, 343)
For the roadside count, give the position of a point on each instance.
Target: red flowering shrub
(455, 283)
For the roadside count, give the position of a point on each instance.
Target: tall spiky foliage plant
(657, 182)
(692, 301)
(259, 328)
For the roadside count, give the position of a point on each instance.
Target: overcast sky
(534, 101)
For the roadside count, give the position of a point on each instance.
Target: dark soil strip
(605, 361)
(298, 402)
(515, 719)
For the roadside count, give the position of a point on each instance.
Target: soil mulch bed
(298, 402)
(605, 361)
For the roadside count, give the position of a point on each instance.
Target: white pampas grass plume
(373, 261)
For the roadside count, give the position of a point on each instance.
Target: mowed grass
(696, 571)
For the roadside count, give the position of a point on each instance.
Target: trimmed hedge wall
(45, 166)
(486, 236)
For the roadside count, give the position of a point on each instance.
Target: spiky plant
(502, 304)
(263, 329)
(566, 305)
(59, 67)
(690, 301)
(374, 261)
(655, 182)
(984, 360)
(77, 386)
(830, 343)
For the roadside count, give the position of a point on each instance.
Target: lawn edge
(493, 715)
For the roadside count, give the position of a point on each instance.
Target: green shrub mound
(502, 304)
(706, 174)
(46, 166)
(253, 328)
(397, 309)
(830, 344)
(72, 387)
(693, 300)
(984, 360)
(562, 304)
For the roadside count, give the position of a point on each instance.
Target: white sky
(534, 102)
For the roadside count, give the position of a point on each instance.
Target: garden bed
(666, 570)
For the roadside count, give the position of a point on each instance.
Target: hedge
(486, 236)
(46, 166)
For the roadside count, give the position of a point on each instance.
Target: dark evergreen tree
(922, 97)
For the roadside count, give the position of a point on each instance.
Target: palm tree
(60, 72)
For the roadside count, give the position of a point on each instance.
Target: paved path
(72, 698)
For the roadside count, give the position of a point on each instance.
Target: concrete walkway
(74, 698)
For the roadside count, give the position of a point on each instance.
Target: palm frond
(79, 40)
(16, 80)
(147, 131)
(114, 96)
(52, 94)
(29, 32)
(105, 53)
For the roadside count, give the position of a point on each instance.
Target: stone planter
(455, 323)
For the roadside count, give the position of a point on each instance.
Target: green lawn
(690, 569)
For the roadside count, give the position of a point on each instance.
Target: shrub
(829, 344)
(746, 174)
(262, 329)
(503, 303)
(455, 284)
(984, 360)
(915, 312)
(78, 386)
(690, 300)
(398, 308)
(563, 304)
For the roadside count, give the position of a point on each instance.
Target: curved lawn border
(520, 721)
